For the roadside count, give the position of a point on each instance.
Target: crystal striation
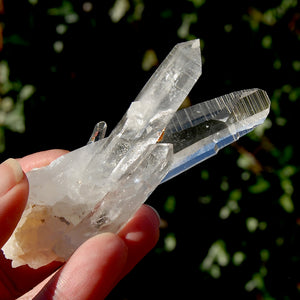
(97, 188)
(200, 131)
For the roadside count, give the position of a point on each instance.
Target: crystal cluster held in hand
(98, 187)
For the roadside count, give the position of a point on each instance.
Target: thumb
(13, 197)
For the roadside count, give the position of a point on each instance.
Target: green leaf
(252, 224)
(217, 257)
(15, 120)
(286, 203)
(238, 258)
(65, 9)
(235, 195)
(264, 255)
(170, 204)
(267, 42)
(26, 92)
(170, 242)
(287, 172)
(257, 282)
(198, 3)
(119, 10)
(260, 186)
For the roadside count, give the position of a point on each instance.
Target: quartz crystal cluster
(98, 187)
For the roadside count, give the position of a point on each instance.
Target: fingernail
(15, 168)
(11, 174)
(156, 213)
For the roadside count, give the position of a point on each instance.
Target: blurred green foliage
(12, 97)
(231, 226)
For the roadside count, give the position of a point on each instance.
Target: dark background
(230, 226)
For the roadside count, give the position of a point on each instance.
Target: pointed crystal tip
(199, 131)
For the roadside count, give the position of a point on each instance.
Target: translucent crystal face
(199, 131)
(98, 187)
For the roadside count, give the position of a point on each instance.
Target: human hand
(95, 267)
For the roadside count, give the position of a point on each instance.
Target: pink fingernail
(156, 212)
(16, 169)
(11, 174)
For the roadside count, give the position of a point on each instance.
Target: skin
(95, 267)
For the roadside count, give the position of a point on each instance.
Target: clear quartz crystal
(98, 187)
(200, 131)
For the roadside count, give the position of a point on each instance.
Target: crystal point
(199, 131)
(98, 187)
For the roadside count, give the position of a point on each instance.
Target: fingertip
(13, 197)
(153, 215)
(140, 235)
(143, 228)
(15, 169)
(11, 174)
